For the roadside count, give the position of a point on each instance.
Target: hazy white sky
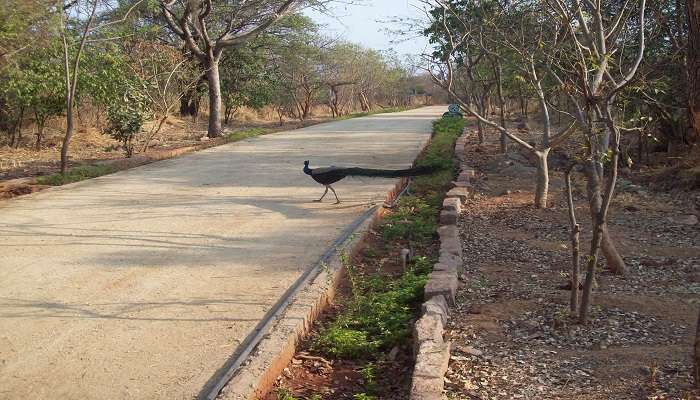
(365, 23)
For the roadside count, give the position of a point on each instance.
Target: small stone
(684, 219)
(286, 372)
(472, 351)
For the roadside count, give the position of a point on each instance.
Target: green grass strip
(76, 174)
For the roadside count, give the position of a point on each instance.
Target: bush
(126, 120)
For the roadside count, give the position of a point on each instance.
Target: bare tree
(209, 27)
(520, 34)
(606, 54)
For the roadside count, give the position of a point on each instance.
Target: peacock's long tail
(390, 173)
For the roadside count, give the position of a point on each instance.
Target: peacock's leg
(324, 195)
(337, 200)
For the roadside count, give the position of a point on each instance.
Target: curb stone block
(427, 329)
(442, 283)
(461, 184)
(448, 217)
(448, 232)
(464, 177)
(468, 172)
(437, 305)
(452, 204)
(428, 379)
(452, 246)
(460, 193)
(447, 267)
(450, 261)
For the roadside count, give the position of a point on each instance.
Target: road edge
(259, 374)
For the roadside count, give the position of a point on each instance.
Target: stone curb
(432, 352)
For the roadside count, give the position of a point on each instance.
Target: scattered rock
(684, 219)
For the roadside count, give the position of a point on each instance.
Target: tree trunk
(39, 133)
(185, 105)
(364, 103)
(480, 131)
(616, 264)
(693, 62)
(542, 188)
(587, 296)
(68, 135)
(214, 128)
(575, 245)
(17, 130)
(501, 101)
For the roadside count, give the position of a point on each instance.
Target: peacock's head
(306, 163)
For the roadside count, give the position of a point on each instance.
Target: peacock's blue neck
(307, 170)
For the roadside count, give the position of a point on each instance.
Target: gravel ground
(514, 338)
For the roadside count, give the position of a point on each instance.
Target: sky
(366, 23)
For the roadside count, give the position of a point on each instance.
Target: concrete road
(140, 284)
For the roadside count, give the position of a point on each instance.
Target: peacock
(327, 176)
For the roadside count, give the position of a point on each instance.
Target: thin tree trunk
(575, 245)
(71, 79)
(39, 133)
(693, 62)
(542, 189)
(499, 90)
(615, 262)
(17, 130)
(214, 128)
(587, 295)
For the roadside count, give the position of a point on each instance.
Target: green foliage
(75, 174)
(105, 78)
(284, 394)
(413, 220)
(377, 318)
(36, 84)
(346, 343)
(126, 119)
(246, 79)
(363, 396)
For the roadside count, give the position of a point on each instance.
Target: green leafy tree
(247, 79)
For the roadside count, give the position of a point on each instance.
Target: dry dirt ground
(512, 332)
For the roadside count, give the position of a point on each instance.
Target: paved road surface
(141, 284)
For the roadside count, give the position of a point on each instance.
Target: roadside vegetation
(369, 329)
(104, 79)
(75, 174)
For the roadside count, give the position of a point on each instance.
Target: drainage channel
(217, 382)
